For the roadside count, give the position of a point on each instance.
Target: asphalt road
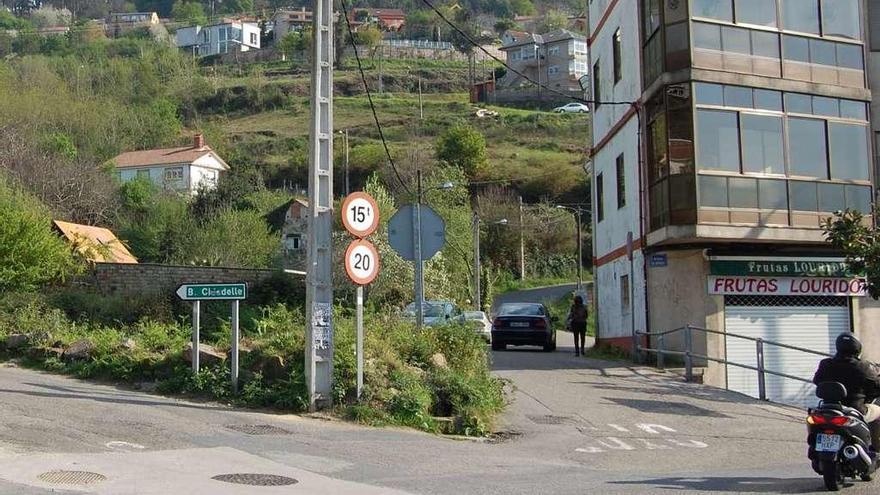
(575, 426)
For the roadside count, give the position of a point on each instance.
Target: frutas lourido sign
(783, 277)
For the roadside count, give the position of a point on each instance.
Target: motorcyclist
(858, 376)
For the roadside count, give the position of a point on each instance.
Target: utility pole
(319, 286)
(347, 189)
(477, 298)
(580, 265)
(381, 58)
(417, 248)
(522, 243)
(421, 110)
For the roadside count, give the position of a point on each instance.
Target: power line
(370, 98)
(504, 63)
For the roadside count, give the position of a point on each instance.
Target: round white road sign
(361, 261)
(360, 214)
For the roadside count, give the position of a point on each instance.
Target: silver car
(480, 323)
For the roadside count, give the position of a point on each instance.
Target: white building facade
(217, 39)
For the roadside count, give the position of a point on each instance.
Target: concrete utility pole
(421, 109)
(477, 298)
(522, 243)
(417, 249)
(319, 287)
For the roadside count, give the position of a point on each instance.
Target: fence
(689, 354)
(430, 45)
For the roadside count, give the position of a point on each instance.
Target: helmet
(848, 345)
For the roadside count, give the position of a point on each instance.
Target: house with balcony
(228, 36)
(285, 21)
(556, 60)
(718, 153)
(187, 169)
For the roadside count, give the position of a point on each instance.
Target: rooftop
(95, 244)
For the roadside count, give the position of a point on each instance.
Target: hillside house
(228, 36)
(186, 169)
(294, 233)
(391, 20)
(286, 21)
(119, 23)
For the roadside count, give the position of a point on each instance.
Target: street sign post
(360, 214)
(214, 292)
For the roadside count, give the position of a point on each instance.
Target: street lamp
(476, 234)
(580, 257)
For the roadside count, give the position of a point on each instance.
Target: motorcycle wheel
(831, 475)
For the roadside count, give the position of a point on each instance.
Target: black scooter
(839, 439)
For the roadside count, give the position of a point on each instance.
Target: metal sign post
(319, 282)
(419, 281)
(214, 292)
(360, 340)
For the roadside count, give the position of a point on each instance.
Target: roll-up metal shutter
(808, 322)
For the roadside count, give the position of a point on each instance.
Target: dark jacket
(578, 313)
(859, 377)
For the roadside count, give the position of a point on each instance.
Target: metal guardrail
(689, 354)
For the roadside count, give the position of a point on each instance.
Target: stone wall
(153, 279)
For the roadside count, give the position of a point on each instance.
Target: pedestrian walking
(577, 323)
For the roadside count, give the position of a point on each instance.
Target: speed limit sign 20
(361, 261)
(360, 214)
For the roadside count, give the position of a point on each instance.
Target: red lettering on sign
(774, 285)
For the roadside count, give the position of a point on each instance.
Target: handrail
(689, 355)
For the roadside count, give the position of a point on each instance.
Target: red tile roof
(166, 156)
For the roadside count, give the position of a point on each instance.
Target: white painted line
(652, 428)
(589, 450)
(654, 446)
(618, 427)
(124, 446)
(695, 444)
(615, 444)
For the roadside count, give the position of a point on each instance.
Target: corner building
(749, 125)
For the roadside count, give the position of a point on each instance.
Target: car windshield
(429, 310)
(473, 315)
(521, 310)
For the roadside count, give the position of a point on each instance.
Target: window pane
(713, 191)
(652, 16)
(806, 142)
(841, 18)
(796, 48)
(804, 196)
(822, 52)
(715, 9)
(762, 144)
(743, 192)
(766, 99)
(772, 195)
(801, 15)
(765, 44)
(850, 56)
(735, 40)
(826, 106)
(850, 109)
(797, 103)
(831, 197)
(707, 36)
(709, 94)
(738, 96)
(658, 161)
(858, 198)
(718, 139)
(849, 151)
(759, 12)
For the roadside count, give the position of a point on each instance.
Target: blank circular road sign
(361, 261)
(360, 214)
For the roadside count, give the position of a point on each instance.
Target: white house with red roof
(187, 169)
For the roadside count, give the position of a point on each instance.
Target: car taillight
(540, 324)
(815, 419)
(497, 323)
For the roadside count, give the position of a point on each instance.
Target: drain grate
(258, 429)
(254, 479)
(503, 436)
(549, 419)
(72, 477)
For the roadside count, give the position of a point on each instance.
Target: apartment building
(557, 60)
(227, 36)
(725, 132)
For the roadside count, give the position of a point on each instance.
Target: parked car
(433, 312)
(572, 107)
(523, 324)
(480, 322)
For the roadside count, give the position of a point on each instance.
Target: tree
(48, 16)
(190, 13)
(464, 147)
(553, 20)
(523, 7)
(504, 25)
(296, 44)
(368, 37)
(31, 254)
(236, 6)
(850, 232)
(9, 21)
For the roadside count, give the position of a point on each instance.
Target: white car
(480, 323)
(572, 107)
(434, 313)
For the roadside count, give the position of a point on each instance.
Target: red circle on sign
(360, 214)
(361, 262)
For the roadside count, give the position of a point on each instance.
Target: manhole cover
(549, 420)
(72, 477)
(258, 429)
(254, 479)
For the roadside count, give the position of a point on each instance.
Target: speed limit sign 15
(360, 214)
(361, 261)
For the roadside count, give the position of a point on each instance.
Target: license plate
(827, 443)
(519, 324)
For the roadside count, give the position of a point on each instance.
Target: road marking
(589, 450)
(618, 427)
(653, 446)
(688, 443)
(615, 444)
(124, 446)
(652, 428)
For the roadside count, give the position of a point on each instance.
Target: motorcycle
(839, 439)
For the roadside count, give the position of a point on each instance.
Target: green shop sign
(779, 267)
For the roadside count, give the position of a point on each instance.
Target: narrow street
(574, 426)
